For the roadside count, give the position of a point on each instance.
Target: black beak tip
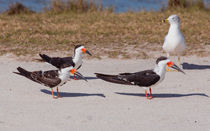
(88, 53)
(178, 69)
(81, 76)
(85, 79)
(181, 71)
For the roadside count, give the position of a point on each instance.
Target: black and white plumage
(51, 78)
(62, 62)
(146, 78)
(57, 61)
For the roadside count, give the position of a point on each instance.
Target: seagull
(50, 78)
(146, 78)
(174, 42)
(62, 62)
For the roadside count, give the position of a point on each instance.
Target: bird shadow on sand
(167, 95)
(67, 94)
(187, 66)
(86, 77)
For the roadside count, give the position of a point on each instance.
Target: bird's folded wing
(58, 61)
(48, 78)
(144, 78)
(113, 78)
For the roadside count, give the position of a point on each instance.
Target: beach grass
(104, 33)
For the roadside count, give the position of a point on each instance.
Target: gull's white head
(173, 19)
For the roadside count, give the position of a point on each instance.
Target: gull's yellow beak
(163, 21)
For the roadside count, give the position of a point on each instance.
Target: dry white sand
(181, 102)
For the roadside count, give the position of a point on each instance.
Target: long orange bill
(174, 66)
(80, 75)
(86, 51)
(73, 71)
(177, 68)
(76, 73)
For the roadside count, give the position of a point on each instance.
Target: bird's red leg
(146, 93)
(150, 90)
(75, 77)
(58, 93)
(52, 93)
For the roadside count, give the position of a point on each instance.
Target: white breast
(174, 44)
(78, 63)
(64, 75)
(161, 71)
(174, 41)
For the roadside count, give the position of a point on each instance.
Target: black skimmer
(51, 78)
(146, 78)
(62, 62)
(174, 42)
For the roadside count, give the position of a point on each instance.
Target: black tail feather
(23, 72)
(17, 73)
(45, 58)
(30, 75)
(112, 78)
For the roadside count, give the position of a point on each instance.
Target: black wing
(113, 79)
(48, 78)
(58, 61)
(144, 78)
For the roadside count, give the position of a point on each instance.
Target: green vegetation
(102, 31)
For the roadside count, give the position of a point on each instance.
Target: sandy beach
(181, 102)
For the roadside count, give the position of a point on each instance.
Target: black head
(81, 49)
(77, 46)
(160, 59)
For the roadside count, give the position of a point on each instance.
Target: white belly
(78, 64)
(64, 78)
(174, 45)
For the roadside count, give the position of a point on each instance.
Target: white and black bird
(62, 62)
(51, 78)
(174, 42)
(146, 78)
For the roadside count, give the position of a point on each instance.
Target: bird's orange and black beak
(86, 51)
(76, 73)
(73, 71)
(174, 66)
